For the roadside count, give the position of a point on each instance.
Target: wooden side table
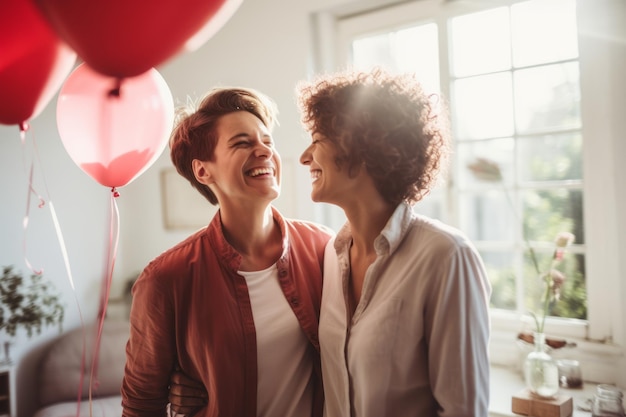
(7, 391)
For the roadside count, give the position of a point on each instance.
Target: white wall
(602, 36)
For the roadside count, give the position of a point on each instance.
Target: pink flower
(557, 278)
(554, 278)
(564, 239)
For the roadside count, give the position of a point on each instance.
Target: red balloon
(33, 62)
(114, 132)
(213, 25)
(124, 38)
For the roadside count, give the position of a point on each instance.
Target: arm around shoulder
(151, 348)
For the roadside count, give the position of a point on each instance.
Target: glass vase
(7, 354)
(541, 372)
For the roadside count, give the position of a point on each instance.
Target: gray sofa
(59, 373)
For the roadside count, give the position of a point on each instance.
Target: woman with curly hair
(404, 323)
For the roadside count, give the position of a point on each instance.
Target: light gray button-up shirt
(417, 344)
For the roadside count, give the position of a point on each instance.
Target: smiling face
(331, 183)
(245, 165)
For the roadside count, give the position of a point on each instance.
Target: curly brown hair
(195, 132)
(385, 122)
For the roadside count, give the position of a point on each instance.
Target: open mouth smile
(315, 174)
(256, 172)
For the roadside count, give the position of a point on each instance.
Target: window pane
(500, 151)
(487, 216)
(432, 205)
(480, 42)
(483, 106)
(549, 212)
(572, 303)
(501, 275)
(373, 50)
(551, 157)
(553, 36)
(547, 97)
(408, 50)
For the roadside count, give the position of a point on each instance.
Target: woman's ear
(201, 172)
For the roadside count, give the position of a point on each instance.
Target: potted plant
(31, 303)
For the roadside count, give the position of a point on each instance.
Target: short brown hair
(382, 121)
(195, 136)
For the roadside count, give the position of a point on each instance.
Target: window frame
(601, 338)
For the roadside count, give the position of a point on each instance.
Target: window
(520, 107)
(511, 72)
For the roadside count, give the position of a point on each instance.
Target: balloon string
(66, 261)
(26, 220)
(114, 231)
(30, 191)
(55, 219)
(24, 127)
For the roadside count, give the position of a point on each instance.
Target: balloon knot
(115, 193)
(24, 126)
(116, 91)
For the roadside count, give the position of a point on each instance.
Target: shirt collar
(389, 238)
(228, 254)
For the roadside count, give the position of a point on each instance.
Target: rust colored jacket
(192, 308)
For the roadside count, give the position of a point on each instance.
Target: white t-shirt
(284, 364)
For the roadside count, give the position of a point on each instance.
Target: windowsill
(506, 382)
(599, 362)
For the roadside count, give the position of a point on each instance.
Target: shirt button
(295, 301)
(282, 273)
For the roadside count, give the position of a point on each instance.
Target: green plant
(30, 303)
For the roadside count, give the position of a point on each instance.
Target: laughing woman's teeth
(260, 171)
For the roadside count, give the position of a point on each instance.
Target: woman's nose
(305, 158)
(263, 149)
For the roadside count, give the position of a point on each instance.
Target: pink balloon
(114, 132)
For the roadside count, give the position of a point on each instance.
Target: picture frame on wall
(184, 208)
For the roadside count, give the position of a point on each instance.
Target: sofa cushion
(101, 407)
(61, 366)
